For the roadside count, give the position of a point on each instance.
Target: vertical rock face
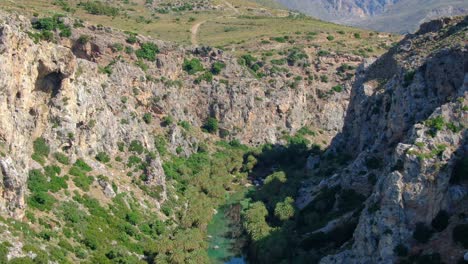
(61, 93)
(406, 127)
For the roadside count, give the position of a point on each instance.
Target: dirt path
(194, 31)
(196, 27)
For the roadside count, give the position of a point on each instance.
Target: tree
(211, 125)
(285, 210)
(255, 222)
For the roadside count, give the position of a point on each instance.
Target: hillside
(326, 144)
(382, 15)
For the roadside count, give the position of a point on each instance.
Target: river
(225, 233)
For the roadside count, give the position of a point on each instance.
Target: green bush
(132, 38)
(83, 182)
(285, 210)
(211, 125)
(147, 118)
(441, 221)
(192, 66)
(83, 39)
(435, 124)
(82, 165)
(217, 67)
(422, 233)
(42, 201)
(147, 51)
(460, 235)
(62, 158)
(330, 37)
(136, 146)
(40, 147)
(99, 8)
(206, 76)
(337, 88)
(102, 157)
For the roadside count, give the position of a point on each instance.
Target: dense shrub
(82, 165)
(136, 146)
(285, 210)
(40, 147)
(99, 8)
(192, 66)
(337, 88)
(42, 201)
(441, 221)
(147, 51)
(103, 157)
(217, 67)
(422, 233)
(211, 125)
(48, 24)
(147, 118)
(62, 158)
(435, 124)
(206, 76)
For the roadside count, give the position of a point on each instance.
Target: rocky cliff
(84, 95)
(405, 132)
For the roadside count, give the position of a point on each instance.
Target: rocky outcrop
(83, 98)
(405, 130)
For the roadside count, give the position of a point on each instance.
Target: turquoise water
(225, 233)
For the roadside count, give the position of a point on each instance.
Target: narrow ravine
(225, 232)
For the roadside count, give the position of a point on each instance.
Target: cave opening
(50, 83)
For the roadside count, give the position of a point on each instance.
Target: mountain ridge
(401, 16)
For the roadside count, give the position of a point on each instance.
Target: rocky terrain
(117, 147)
(107, 105)
(405, 130)
(383, 15)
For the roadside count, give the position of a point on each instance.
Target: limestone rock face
(390, 132)
(65, 94)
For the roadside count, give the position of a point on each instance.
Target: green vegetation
(435, 124)
(217, 67)
(62, 158)
(103, 157)
(40, 184)
(147, 118)
(192, 66)
(147, 51)
(41, 150)
(211, 125)
(136, 146)
(206, 76)
(47, 25)
(99, 8)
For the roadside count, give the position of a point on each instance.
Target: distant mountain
(384, 15)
